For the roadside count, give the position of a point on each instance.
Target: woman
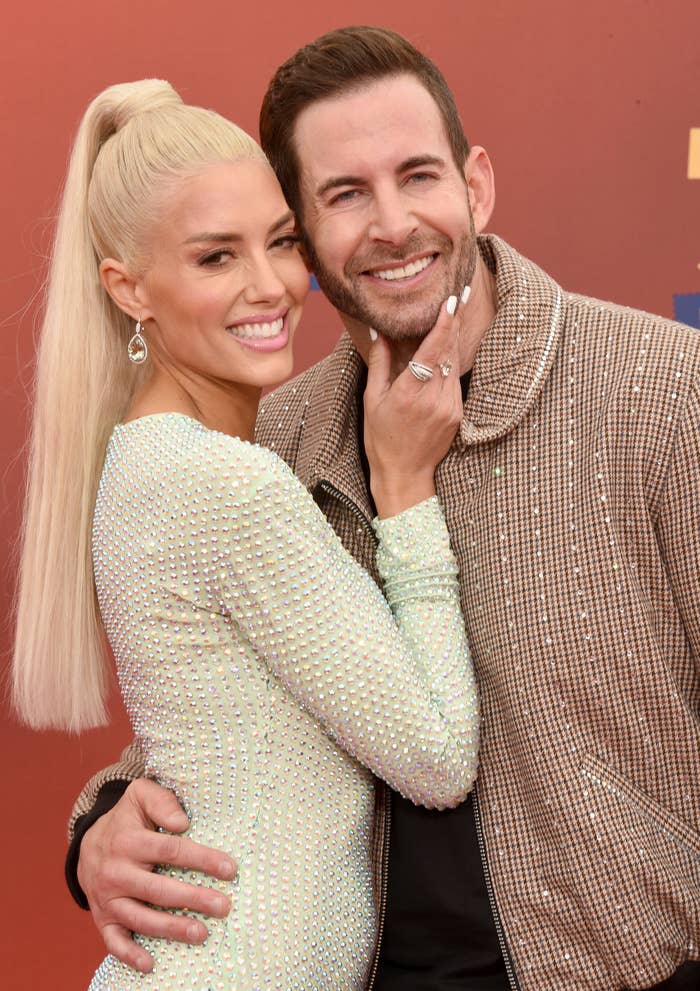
(264, 674)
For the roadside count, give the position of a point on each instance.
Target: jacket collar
(517, 350)
(512, 364)
(329, 449)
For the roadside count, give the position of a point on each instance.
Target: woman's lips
(262, 335)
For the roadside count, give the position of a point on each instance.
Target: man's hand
(411, 423)
(115, 870)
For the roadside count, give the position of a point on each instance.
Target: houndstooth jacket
(572, 493)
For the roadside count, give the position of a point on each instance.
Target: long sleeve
(129, 767)
(678, 523)
(397, 690)
(400, 690)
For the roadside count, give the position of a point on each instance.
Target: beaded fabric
(267, 679)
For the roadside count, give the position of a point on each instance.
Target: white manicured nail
(466, 293)
(372, 334)
(451, 305)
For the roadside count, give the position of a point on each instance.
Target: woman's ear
(123, 288)
(479, 177)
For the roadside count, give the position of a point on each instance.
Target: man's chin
(385, 318)
(400, 329)
(399, 332)
(402, 335)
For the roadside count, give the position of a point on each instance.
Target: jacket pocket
(647, 808)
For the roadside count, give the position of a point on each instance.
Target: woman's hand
(410, 424)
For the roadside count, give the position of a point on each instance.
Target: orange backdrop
(586, 110)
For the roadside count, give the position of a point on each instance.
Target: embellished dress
(267, 680)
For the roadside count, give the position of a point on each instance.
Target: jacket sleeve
(129, 767)
(100, 794)
(390, 679)
(678, 524)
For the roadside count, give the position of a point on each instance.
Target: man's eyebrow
(225, 237)
(416, 161)
(341, 180)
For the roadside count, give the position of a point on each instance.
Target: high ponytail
(133, 137)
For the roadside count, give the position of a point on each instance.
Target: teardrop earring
(137, 349)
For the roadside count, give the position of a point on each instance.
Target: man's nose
(392, 219)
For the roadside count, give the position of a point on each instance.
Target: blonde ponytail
(132, 137)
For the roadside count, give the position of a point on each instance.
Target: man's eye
(420, 177)
(344, 197)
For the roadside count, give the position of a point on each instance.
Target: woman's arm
(396, 690)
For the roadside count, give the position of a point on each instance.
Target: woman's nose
(264, 283)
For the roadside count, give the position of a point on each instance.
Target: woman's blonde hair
(132, 139)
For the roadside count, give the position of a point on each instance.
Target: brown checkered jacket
(572, 493)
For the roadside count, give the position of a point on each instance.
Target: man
(572, 496)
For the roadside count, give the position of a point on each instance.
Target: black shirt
(438, 928)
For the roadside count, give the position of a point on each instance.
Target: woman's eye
(215, 258)
(286, 241)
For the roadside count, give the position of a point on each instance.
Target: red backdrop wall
(586, 110)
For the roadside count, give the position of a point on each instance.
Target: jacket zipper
(510, 970)
(349, 504)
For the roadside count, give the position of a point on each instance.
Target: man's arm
(114, 849)
(107, 798)
(678, 525)
(111, 780)
(100, 794)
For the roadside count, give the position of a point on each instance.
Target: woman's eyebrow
(222, 237)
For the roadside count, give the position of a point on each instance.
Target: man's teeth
(258, 329)
(413, 268)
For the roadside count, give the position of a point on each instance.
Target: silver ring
(422, 372)
(445, 368)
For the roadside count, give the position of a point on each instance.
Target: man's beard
(408, 321)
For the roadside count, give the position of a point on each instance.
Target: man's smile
(402, 272)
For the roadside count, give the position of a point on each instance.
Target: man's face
(385, 209)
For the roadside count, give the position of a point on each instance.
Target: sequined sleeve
(396, 690)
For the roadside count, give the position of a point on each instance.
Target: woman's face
(225, 283)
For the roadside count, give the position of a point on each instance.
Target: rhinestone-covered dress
(266, 679)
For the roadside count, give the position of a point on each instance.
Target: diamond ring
(422, 372)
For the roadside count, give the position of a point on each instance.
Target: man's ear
(123, 288)
(479, 177)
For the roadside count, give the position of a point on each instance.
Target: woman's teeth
(413, 268)
(260, 330)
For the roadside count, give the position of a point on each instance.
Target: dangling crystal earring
(137, 349)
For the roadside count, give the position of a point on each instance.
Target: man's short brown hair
(337, 63)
